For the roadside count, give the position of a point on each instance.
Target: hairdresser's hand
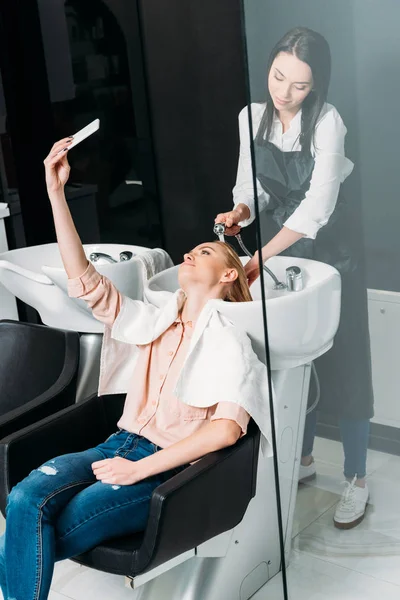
(118, 471)
(252, 269)
(57, 166)
(232, 218)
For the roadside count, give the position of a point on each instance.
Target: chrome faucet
(294, 279)
(219, 230)
(126, 255)
(95, 256)
(123, 256)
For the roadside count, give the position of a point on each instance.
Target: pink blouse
(151, 408)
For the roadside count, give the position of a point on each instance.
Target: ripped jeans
(60, 510)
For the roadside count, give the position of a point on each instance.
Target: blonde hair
(239, 290)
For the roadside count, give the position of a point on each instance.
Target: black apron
(345, 370)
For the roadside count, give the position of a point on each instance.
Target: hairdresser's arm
(84, 281)
(283, 240)
(243, 213)
(215, 435)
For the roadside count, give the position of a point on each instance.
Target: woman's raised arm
(57, 173)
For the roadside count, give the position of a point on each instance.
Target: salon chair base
(231, 566)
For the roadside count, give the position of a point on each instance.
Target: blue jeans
(60, 510)
(354, 434)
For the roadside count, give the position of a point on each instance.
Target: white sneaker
(307, 474)
(351, 509)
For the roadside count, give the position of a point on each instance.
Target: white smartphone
(83, 134)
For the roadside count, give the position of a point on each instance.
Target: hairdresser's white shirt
(221, 363)
(330, 170)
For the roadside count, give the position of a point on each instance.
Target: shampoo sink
(301, 325)
(36, 276)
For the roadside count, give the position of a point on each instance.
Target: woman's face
(289, 82)
(206, 265)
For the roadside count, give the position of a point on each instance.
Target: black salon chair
(38, 373)
(205, 499)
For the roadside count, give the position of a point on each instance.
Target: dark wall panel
(195, 69)
(28, 106)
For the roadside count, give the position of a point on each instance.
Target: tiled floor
(329, 564)
(311, 578)
(326, 564)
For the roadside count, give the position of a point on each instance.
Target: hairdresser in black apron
(300, 165)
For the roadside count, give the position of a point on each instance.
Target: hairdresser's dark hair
(313, 49)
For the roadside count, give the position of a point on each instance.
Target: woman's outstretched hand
(57, 166)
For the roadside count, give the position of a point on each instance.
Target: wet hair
(239, 290)
(313, 49)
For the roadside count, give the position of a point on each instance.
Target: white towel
(154, 261)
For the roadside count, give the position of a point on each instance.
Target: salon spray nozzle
(219, 230)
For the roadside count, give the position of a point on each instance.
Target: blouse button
(170, 353)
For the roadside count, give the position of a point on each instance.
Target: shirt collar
(296, 121)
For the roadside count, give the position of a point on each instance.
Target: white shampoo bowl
(301, 325)
(36, 276)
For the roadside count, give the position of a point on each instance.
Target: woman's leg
(350, 510)
(310, 422)
(103, 511)
(307, 470)
(3, 580)
(308, 439)
(49, 518)
(33, 504)
(354, 434)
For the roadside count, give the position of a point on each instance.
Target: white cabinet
(384, 329)
(8, 304)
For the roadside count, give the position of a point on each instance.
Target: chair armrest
(206, 499)
(53, 400)
(73, 429)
